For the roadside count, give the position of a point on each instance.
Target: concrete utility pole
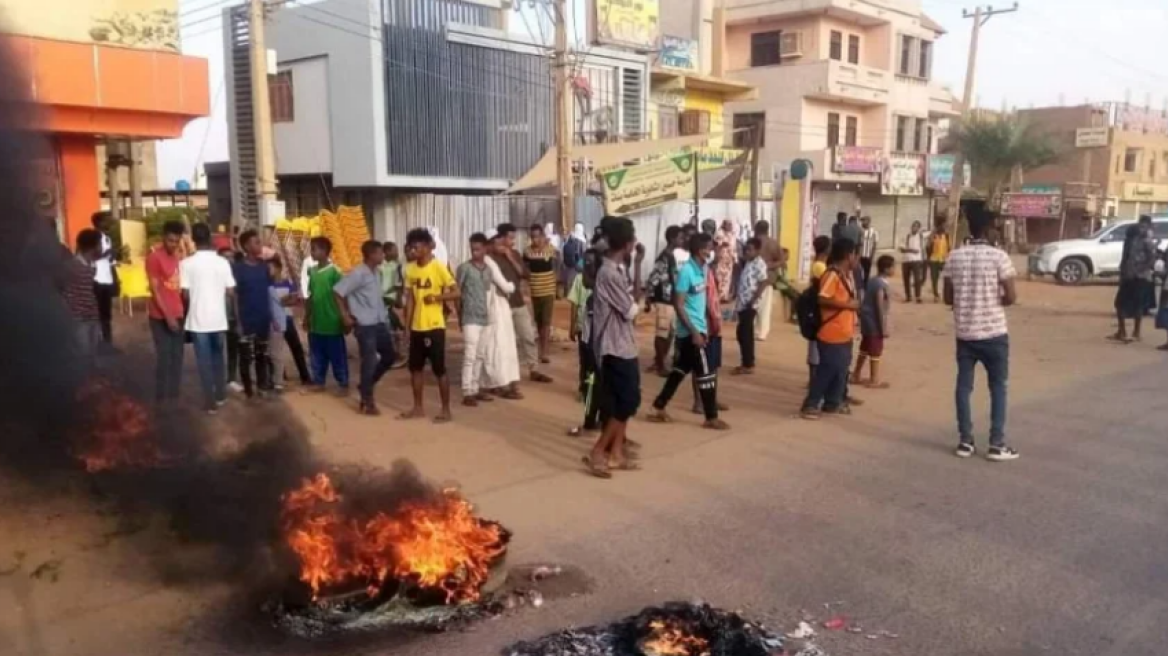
(261, 108)
(564, 119)
(981, 15)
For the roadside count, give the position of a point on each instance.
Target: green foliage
(995, 146)
(154, 222)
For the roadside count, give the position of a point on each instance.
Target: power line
(214, 5)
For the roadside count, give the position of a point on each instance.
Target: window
(1152, 167)
(853, 49)
(851, 129)
(926, 60)
(1130, 160)
(280, 97)
(764, 48)
(837, 46)
(902, 128)
(906, 50)
(833, 135)
(694, 121)
(743, 129)
(668, 121)
(1116, 235)
(920, 138)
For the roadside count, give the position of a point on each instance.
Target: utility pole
(755, 139)
(981, 15)
(261, 108)
(564, 119)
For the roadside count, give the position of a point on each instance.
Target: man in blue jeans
(208, 285)
(979, 285)
(359, 297)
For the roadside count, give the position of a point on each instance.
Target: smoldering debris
(675, 629)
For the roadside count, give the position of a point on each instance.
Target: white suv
(1073, 261)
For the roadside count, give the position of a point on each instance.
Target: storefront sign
(648, 185)
(678, 53)
(718, 158)
(631, 23)
(147, 24)
(1092, 137)
(940, 175)
(903, 174)
(857, 159)
(1141, 119)
(1032, 206)
(1145, 193)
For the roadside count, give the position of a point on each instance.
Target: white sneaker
(235, 387)
(1002, 454)
(965, 450)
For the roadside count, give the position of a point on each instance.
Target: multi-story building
(98, 69)
(847, 85)
(376, 99)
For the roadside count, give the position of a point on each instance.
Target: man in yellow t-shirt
(939, 249)
(428, 285)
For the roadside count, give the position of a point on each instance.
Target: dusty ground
(1060, 552)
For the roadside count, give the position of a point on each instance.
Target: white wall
(305, 144)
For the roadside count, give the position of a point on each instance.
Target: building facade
(373, 99)
(846, 85)
(98, 68)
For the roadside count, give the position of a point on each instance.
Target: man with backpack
(660, 286)
(831, 321)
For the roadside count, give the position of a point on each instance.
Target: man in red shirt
(166, 312)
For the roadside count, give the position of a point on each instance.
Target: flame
(436, 544)
(118, 430)
(668, 640)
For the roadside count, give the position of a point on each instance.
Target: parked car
(1074, 261)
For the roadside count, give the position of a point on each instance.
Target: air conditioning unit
(790, 44)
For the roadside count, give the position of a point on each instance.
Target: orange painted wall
(79, 178)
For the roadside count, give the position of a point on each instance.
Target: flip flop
(877, 386)
(716, 424)
(661, 418)
(483, 397)
(511, 395)
(627, 465)
(595, 469)
(408, 415)
(810, 415)
(1119, 340)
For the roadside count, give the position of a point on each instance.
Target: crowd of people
(236, 305)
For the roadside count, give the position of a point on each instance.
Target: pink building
(847, 85)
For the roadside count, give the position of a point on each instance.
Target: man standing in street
(912, 262)
(938, 250)
(979, 285)
(660, 289)
(253, 311)
(525, 335)
(105, 276)
(869, 243)
(359, 298)
(772, 256)
(209, 284)
(1135, 278)
(166, 312)
(541, 262)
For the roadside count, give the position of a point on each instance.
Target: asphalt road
(1061, 552)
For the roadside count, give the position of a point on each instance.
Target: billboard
(1032, 206)
(857, 159)
(146, 24)
(1092, 137)
(678, 54)
(630, 23)
(903, 174)
(648, 185)
(940, 175)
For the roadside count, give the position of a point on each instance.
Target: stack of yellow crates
(330, 227)
(355, 231)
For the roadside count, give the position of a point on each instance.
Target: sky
(1049, 51)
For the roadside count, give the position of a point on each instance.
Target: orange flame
(118, 433)
(435, 544)
(669, 640)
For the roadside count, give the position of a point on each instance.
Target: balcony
(850, 83)
(942, 102)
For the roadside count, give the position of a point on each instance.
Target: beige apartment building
(847, 85)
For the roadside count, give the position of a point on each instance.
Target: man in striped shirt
(540, 260)
(869, 242)
(80, 294)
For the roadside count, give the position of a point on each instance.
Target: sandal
(537, 377)
(483, 397)
(511, 395)
(626, 465)
(844, 409)
(742, 371)
(659, 417)
(470, 402)
(810, 414)
(596, 470)
(877, 386)
(716, 424)
(1119, 340)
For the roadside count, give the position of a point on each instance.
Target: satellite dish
(182, 185)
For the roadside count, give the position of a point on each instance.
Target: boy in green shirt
(322, 319)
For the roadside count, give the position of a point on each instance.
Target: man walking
(1135, 278)
(912, 260)
(362, 307)
(209, 285)
(938, 250)
(869, 243)
(979, 285)
(772, 256)
(166, 312)
(660, 289)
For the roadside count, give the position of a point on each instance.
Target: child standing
(874, 313)
(822, 246)
(322, 320)
(427, 288)
(580, 297)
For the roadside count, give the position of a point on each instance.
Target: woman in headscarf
(572, 255)
(725, 256)
(440, 252)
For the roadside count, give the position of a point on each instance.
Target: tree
(995, 147)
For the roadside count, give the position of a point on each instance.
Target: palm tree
(995, 147)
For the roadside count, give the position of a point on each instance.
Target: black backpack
(807, 312)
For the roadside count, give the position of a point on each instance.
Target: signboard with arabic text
(940, 175)
(857, 159)
(678, 53)
(903, 174)
(1032, 206)
(648, 185)
(631, 23)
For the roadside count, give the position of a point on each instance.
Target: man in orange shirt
(166, 312)
(838, 303)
